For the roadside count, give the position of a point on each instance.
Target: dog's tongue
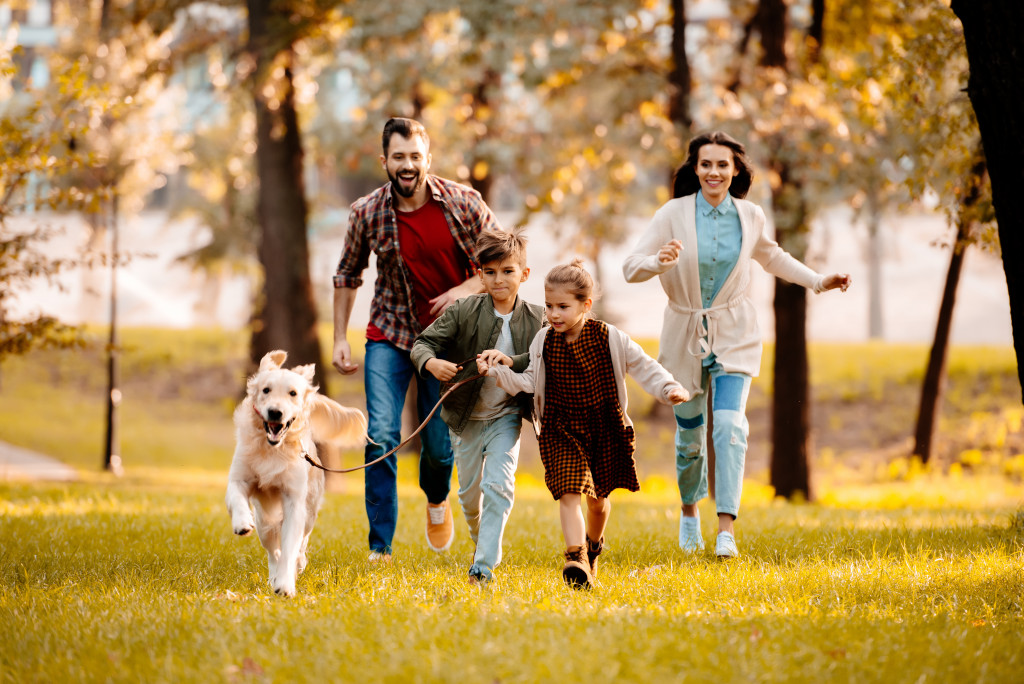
(275, 428)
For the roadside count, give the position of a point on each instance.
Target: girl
(577, 374)
(710, 333)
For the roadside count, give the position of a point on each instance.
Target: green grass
(142, 580)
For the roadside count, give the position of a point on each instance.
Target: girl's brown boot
(576, 571)
(594, 549)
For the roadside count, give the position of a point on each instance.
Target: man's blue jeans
(388, 373)
(729, 400)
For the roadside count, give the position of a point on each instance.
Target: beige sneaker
(440, 526)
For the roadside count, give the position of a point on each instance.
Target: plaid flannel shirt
(373, 226)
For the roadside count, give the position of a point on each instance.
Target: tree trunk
(679, 81)
(791, 425)
(285, 316)
(935, 376)
(992, 33)
(876, 326)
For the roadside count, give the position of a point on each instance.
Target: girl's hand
(442, 370)
(668, 255)
(492, 357)
(840, 280)
(678, 395)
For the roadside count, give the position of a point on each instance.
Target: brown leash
(409, 438)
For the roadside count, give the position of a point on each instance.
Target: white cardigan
(730, 323)
(627, 357)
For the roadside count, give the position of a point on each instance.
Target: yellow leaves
(480, 170)
(613, 41)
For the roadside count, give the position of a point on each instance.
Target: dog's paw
(286, 589)
(244, 530)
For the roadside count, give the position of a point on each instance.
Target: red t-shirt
(434, 263)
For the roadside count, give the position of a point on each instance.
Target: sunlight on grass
(135, 582)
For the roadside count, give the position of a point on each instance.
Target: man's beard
(421, 177)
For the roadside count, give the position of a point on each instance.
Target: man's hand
(442, 370)
(342, 358)
(446, 299)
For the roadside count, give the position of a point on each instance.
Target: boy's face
(502, 279)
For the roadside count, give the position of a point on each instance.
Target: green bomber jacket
(462, 331)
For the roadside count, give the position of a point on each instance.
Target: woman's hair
(573, 278)
(498, 245)
(685, 180)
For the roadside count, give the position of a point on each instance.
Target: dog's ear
(273, 360)
(307, 371)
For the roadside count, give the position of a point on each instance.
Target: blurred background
(174, 166)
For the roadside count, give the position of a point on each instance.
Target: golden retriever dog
(277, 424)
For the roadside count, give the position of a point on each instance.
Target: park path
(17, 463)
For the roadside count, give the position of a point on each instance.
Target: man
(423, 230)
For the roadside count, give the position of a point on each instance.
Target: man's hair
(407, 128)
(499, 245)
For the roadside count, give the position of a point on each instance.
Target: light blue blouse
(719, 237)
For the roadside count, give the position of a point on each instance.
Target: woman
(700, 244)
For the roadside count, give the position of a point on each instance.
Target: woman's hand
(668, 255)
(840, 280)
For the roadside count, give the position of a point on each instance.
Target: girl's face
(715, 170)
(566, 313)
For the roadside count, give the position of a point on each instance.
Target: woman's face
(715, 170)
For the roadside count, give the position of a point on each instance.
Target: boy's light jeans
(486, 456)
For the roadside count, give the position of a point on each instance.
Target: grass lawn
(142, 580)
(896, 573)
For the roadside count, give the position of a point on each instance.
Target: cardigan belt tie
(705, 326)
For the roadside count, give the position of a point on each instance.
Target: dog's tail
(335, 424)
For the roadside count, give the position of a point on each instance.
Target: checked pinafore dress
(585, 445)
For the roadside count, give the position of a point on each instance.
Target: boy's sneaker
(725, 546)
(594, 549)
(690, 539)
(478, 576)
(576, 571)
(440, 526)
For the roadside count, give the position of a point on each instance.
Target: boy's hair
(499, 245)
(572, 277)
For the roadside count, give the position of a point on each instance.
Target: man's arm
(344, 300)
(471, 286)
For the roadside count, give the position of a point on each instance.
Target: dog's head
(279, 396)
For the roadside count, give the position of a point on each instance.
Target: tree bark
(876, 325)
(791, 424)
(285, 316)
(935, 375)
(679, 80)
(992, 32)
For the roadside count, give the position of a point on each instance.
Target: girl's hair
(685, 180)
(498, 245)
(572, 277)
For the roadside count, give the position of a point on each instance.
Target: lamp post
(111, 455)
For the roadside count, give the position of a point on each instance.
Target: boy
(484, 421)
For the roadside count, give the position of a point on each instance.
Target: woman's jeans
(486, 454)
(388, 372)
(729, 399)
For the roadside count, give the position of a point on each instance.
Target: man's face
(406, 164)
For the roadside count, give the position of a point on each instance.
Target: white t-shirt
(494, 401)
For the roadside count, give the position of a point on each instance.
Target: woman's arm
(654, 253)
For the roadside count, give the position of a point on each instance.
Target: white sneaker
(725, 546)
(379, 557)
(690, 539)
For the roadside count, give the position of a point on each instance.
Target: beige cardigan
(627, 357)
(728, 329)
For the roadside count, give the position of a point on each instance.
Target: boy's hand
(442, 370)
(678, 395)
(491, 357)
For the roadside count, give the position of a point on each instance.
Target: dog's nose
(273, 415)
